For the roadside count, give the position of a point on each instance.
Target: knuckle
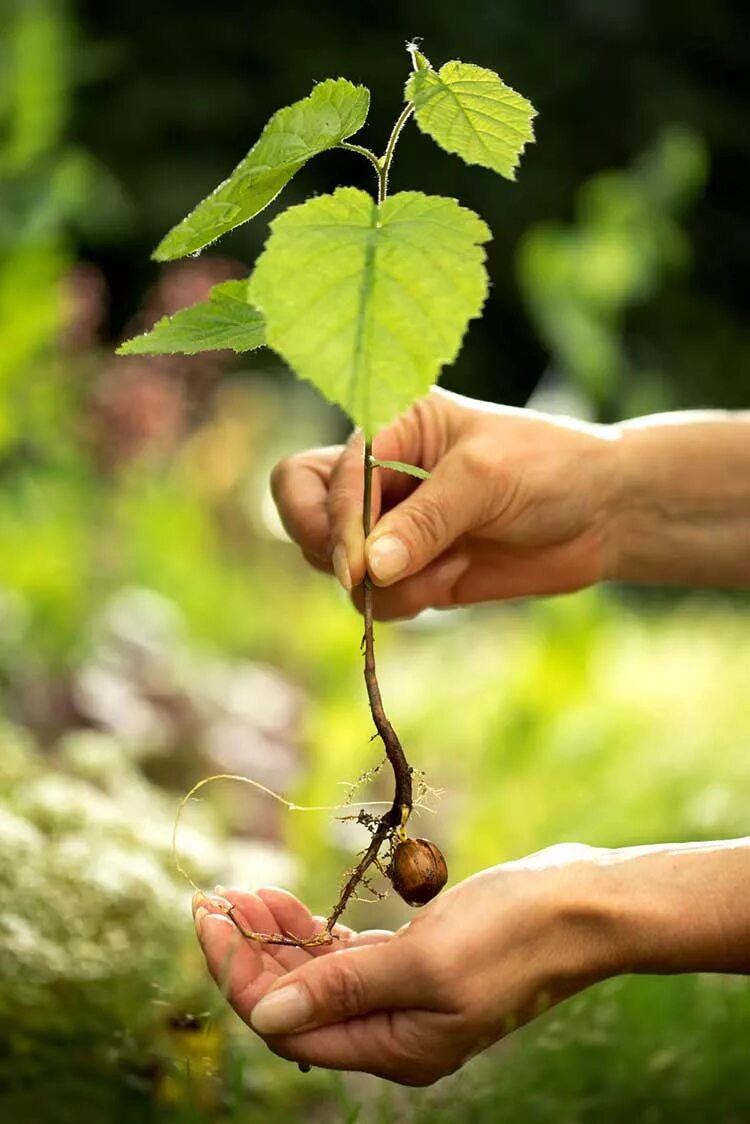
(485, 475)
(426, 523)
(475, 460)
(344, 499)
(344, 993)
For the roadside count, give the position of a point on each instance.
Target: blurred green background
(155, 626)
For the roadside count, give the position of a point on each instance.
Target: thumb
(455, 499)
(341, 986)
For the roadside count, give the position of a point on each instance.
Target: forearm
(681, 507)
(675, 908)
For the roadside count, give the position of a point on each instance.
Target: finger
(241, 970)
(457, 498)
(400, 441)
(490, 574)
(344, 985)
(371, 936)
(350, 938)
(343, 932)
(253, 913)
(299, 485)
(324, 565)
(436, 587)
(345, 506)
(382, 1043)
(295, 918)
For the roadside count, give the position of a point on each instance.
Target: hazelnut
(418, 871)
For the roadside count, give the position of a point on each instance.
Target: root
(385, 830)
(370, 856)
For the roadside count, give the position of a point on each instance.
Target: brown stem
(402, 798)
(396, 817)
(400, 810)
(354, 879)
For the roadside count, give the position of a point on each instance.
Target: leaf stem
(366, 152)
(384, 164)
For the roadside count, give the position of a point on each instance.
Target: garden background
(155, 626)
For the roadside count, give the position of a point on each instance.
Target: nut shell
(418, 871)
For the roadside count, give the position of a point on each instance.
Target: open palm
(245, 969)
(481, 959)
(373, 1002)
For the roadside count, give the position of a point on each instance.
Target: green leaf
(225, 320)
(401, 466)
(335, 110)
(471, 112)
(369, 302)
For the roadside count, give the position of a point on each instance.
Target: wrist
(665, 908)
(590, 923)
(680, 506)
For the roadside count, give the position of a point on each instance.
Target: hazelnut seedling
(368, 297)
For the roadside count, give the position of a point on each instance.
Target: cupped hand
(411, 1006)
(518, 503)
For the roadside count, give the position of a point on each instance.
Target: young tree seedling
(368, 297)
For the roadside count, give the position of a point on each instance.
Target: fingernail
(387, 558)
(198, 897)
(217, 900)
(282, 1011)
(341, 566)
(221, 891)
(200, 913)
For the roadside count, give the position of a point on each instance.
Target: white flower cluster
(87, 890)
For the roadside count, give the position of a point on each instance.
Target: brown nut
(418, 871)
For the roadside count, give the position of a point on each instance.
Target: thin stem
(366, 152)
(395, 819)
(402, 798)
(354, 879)
(387, 158)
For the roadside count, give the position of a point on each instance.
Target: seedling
(368, 297)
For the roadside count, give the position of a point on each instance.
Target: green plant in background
(36, 192)
(579, 282)
(560, 700)
(367, 298)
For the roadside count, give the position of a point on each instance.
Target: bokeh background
(155, 627)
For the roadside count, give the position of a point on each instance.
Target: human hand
(413, 1006)
(517, 504)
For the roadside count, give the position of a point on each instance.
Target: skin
(518, 504)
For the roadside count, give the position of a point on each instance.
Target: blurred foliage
(154, 627)
(580, 283)
(606, 78)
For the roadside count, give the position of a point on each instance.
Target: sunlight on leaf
(369, 302)
(335, 110)
(470, 112)
(225, 320)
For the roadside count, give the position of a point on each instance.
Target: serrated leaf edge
(451, 152)
(157, 256)
(401, 466)
(214, 297)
